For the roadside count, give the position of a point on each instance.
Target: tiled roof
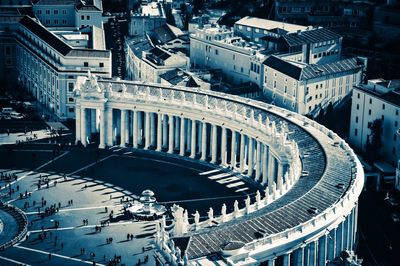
(45, 35)
(306, 72)
(268, 24)
(310, 36)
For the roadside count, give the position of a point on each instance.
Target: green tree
(374, 141)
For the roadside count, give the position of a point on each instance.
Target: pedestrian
(49, 256)
(62, 245)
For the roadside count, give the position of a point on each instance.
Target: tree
(374, 141)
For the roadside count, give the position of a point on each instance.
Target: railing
(17, 213)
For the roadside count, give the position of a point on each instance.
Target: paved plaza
(69, 212)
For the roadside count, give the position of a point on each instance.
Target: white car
(16, 115)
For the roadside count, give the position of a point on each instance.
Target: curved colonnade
(268, 144)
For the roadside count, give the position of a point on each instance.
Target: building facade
(217, 48)
(305, 88)
(149, 17)
(69, 13)
(318, 217)
(48, 66)
(378, 99)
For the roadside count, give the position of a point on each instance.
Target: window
(70, 87)
(369, 111)
(71, 109)
(88, 17)
(55, 12)
(233, 57)
(358, 96)
(356, 119)
(274, 83)
(397, 112)
(8, 50)
(47, 12)
(216, 51)
(85, 64)
(82, 17)
(394, 137)
(101, 64)
(64, 11)
(358, 106)
(248, 28)
(395, 123)
(64, 21)
(383, 106)
(241, 69)
(56, 21)
(39, 12)
(70, 99)
(355, 132)
(383, 118)
(370, 101)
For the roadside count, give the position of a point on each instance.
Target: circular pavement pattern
(86, 186)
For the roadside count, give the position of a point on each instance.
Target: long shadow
(122, 241)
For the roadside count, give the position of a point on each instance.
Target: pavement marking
(57, 255)
(213, 177)
(81, 209)
(117, 150)
(210, 172)
(89, 165)
(128, 152)
(41, 166)
(14, 261)
(202, 199)
(86, 226)
(235, 184)
(228, 180)
(241, 189)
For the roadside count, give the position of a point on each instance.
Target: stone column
(233, 150)
(103, 128)
(265, 175)
(140, 127)
(153, 130)
(299, 257)
(339, 238)
(147, 131)
(110, 132)
(214, 144)
(280, 176)
(78, 124)
(193, 141)
(83, 126)
(347, 230)
(312, 253)
(271, 168)
(123, 128)
(286, 259)
(351, 231)
(177, 131)
(242, 150)
(223, 147)
(182, 138)
(250, 166)
(332, 244)
(271, 262)
(188, 135)
(159, 131)
(258, 161)
(135, 129)
(204, 142)
(165, 131)
(171, 134)
(322, 246)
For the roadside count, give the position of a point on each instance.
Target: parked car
(16, 115)
(7, 110)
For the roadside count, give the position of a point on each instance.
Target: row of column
(170, 133)
(324, 249)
